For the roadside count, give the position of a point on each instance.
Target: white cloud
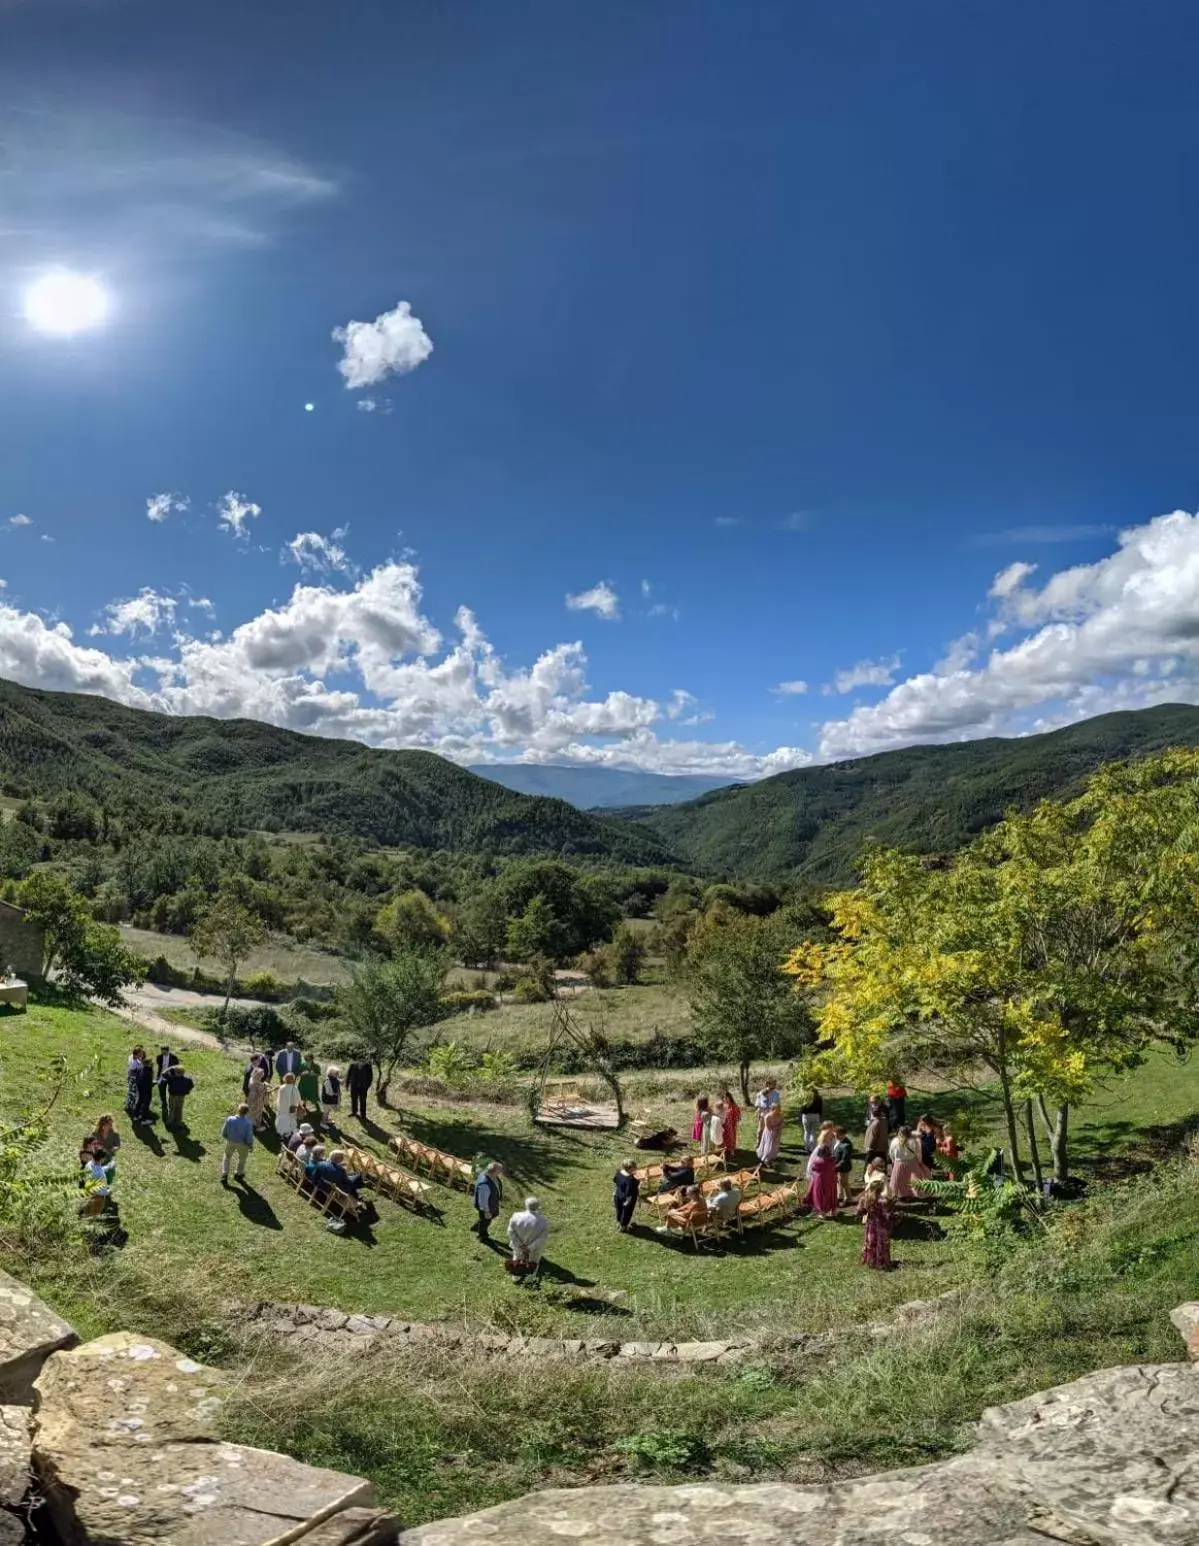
(600, 599)
(46, 538)
(317, 554)
(726, 521)
(19, 520)
(866, 673)
(393, 344)
(160, 506)
(647, 751)
(790, 689)
(1010, 579)
(144, 613)
(647, 590)
(201, 604)
(234, 511)
(1121, 632)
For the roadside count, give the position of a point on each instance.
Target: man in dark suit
(287, 1061)
(358, 1082)
(163, 1063)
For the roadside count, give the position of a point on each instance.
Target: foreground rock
(29, 1332)
(1111, 1460)
(127, 1450)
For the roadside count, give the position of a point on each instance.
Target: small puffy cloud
(314, 553)
(1010, 579)
(726, 521)
(46, 538)
(235, 511)
(600, 599)
(790, 689)
(866, 673)
(201, 604)
(392, 345)
(145, 613)
(17, 521)
(647, 589)
(160, 506)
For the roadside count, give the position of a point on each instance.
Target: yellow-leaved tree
(1055, 949)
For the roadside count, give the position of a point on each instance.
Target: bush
(599, 967)
(458, 1003)
(261, 1025)
(263, 985)
(530, 990)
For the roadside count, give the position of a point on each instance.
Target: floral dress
(880, 1220)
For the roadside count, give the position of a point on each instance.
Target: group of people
(163, 1072)
(716, 1123)
(528, 1228)
(300, 1091)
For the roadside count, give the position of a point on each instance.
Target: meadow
(440, 1432)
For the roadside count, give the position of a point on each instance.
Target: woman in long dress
(256, 1098)
(287, 1107)
(906, 1165)
(821, 1195)
(699, 1126)
(879, 1216)
(770, 1135)
(731, 1121)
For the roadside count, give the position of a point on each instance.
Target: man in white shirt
(725, 1201)
(528, 1232)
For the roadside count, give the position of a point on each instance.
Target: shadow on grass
(1114, 1151)
(254, 1206)
(144, 1133)
(524, 1157)
(186, 1146)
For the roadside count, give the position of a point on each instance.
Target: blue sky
(785, 338)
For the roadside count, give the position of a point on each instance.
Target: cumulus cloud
(160, 506)
(867, 673)
(790, 689)
(144, 613)
(1119, 633)
(201, 604)
(318, 554)
(392, 345)
(600, 599)
(19, 520)
(235, 511)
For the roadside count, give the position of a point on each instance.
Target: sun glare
(65, 303)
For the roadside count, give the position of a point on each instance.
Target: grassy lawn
(288, 960)
(623, 1014)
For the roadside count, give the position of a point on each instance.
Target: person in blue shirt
(238, 1134)
(489, 1193)
(333, 1172)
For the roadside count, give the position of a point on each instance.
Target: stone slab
(127, 1449)
(15, 1454)
(354, 1527)
(1110, 1460)
(700, 1352)
(29, 1332)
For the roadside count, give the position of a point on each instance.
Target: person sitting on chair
(724, 1203)
(333, 1172)
(677, 1177)
(300, 1137)
(316, 1153)
(691, 1212)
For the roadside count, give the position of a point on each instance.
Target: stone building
(21, 943)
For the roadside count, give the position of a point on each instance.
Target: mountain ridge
(593, 789)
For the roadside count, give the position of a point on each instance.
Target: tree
(537, 932)
(627, 955)
(742, 1003)
(1054, 950)
(386, 1001)
(54, 907)
(411, 919)
(87, 958)
(481, 927)
(226, 932)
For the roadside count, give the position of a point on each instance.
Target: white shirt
(527, 1230)
(763, 1102)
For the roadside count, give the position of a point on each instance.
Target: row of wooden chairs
(435, 1163)
(390, 1180)
(325, 1199)
(767, 1208)
(702, 1164)
(746, 1181)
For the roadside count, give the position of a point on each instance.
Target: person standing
(732, 1121)
(821, 1195)
(626, 1190)
(163, 1063)
(331, 1096)
(766, 1097)
(528, 1232)
(699, 1125)
(926, 1137)
(810, 1114)
(358, 1082)
(238, 1136)
(287, 1107)
(875, 1141)
(906, 1166)
(288, 1060)
(843, 1155)
(309, 1083)
(712, 1141)
(489, 1194)
(876, 1211)
(143, 1087)
(770, 1134)
(256, 1098)
(178, 1087)
(897, 1104)
(103, 1140)
(260, 1060)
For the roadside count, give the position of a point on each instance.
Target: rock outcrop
(126, 1448)
(1110, 1460)
(29, 1332)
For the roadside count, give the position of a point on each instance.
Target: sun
(65, 303)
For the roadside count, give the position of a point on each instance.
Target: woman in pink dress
(875, 1208)
(906, 1165)
(702, 1113)
(821, 1195)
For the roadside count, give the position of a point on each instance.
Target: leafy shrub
(463, 1000)
(665, 1449)
(529, 990)
(264, 985)
(260, 1025)
(598, 966)
(451, 1064)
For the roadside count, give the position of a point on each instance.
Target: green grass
(444, 1432)
(289, 961)
(623, 1014)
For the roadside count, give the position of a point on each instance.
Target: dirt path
(142, 1006)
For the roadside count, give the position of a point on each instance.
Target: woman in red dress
(732, 1120)
(821, 1195)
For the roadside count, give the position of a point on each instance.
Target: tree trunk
(1033, 1149)
(383, 1087)
(1059, 1133)
(224, 1015)
(1013, 1130)
(743, 1072)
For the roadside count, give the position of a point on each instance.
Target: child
(843, 1154)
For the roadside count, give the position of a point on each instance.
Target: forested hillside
(598, 788)
(811, 824)
(228, 776)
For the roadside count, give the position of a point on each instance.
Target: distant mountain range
(598, 788)
(237, 775)
(810, 824)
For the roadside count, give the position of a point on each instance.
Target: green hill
(811, 824)
(238, 775)
(598, 788)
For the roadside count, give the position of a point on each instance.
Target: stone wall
(21, 943)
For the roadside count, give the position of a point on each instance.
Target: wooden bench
(390, 1180)
(330, 1200)
(435, 1163)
